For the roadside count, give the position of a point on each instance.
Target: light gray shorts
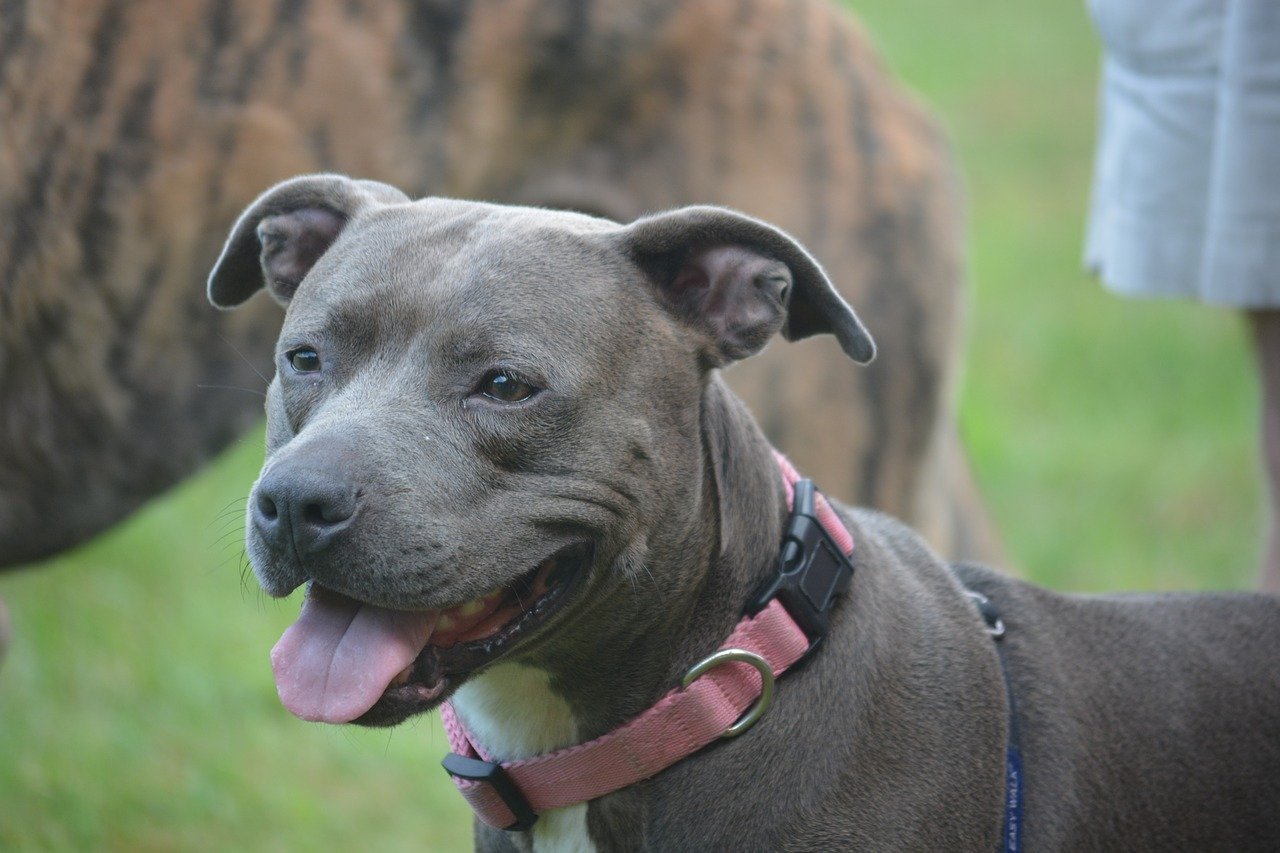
(1186, 190)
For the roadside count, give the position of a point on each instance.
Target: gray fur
(1148, 723)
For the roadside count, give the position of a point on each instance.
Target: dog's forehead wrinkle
(502, 316)
(536, 247)
(346, 284)
(450, 226)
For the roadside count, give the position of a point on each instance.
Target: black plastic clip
(492, 774)
(812, 570)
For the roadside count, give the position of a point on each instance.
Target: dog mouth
(345, 661)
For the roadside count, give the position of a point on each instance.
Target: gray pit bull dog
(502, 459)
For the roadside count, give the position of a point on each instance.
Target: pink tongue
(334, 663)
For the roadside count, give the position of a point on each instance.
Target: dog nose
(306, 508)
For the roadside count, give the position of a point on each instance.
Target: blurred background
(1113, 440)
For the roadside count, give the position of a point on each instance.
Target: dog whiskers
(237, 531)
(244, 358)
(252, 391)
(233, 508)
(652, 579)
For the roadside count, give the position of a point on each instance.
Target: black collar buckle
(492, 774)
(812, 570)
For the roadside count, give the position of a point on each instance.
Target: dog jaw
(345, 660)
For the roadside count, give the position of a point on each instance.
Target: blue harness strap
(1011, 834)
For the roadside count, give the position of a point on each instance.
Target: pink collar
(721, 696)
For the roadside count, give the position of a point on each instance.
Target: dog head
(484, 417)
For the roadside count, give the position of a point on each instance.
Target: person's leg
(1244, 218)
(4, 630)
(1266, 343)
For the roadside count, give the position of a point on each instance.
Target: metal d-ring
(756, 711)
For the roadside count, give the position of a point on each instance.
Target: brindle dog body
(134, 130)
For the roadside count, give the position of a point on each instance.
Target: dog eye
(505, 388)
(304, 360)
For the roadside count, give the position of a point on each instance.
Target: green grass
(1113, 439)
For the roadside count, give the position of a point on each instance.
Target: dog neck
(628, 651)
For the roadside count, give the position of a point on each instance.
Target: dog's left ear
(740, 281)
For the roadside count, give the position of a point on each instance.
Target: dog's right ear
(279, 237)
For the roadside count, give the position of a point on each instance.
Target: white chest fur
(512, 711)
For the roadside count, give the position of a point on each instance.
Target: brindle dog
(134, 130)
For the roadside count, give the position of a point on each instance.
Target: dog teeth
(455, 616)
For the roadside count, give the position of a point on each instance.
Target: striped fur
(133, 131)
